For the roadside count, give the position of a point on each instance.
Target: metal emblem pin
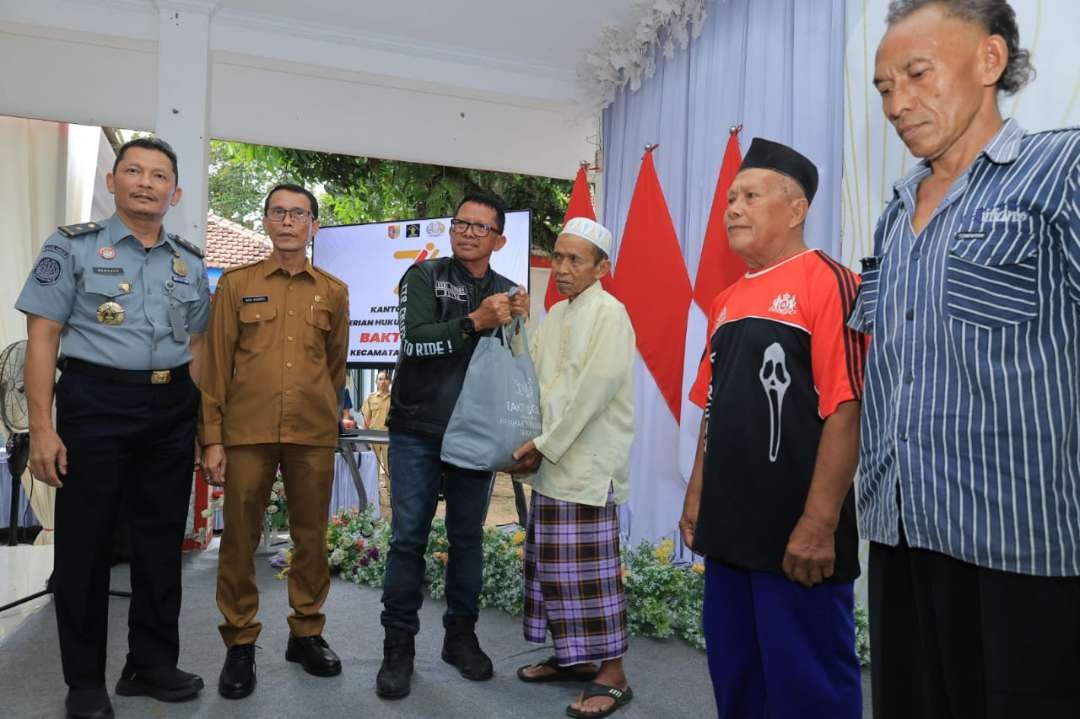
(107, 252)
(124, 287)
(179, 267)
(110, 313)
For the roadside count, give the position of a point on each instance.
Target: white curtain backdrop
(874, 157)
(776, 67)
(46, 179)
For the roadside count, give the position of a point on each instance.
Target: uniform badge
(318, 299)
(179, 267)
(124, 287)
(107, 252)
(47, 271)
(110, 313)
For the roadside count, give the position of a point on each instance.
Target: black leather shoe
(166, 684)
(462, 649)
(399, 650)
(237, 678)
(88, 704)
(314, 654)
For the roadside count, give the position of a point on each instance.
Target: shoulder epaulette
(193, 249)
(83, 228)
(234, 268)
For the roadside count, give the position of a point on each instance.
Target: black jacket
(434, 297)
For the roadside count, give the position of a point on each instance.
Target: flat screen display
(372, 258)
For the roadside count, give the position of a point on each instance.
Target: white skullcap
(589, 230)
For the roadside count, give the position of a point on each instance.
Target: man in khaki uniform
(375, 409)
(273, 375)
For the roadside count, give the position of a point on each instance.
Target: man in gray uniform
(126, 305)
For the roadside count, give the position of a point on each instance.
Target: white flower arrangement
(628, 55)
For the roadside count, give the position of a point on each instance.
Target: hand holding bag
(498, 409)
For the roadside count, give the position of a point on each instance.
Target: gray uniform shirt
(163, 293)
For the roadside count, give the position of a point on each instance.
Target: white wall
(95, 62)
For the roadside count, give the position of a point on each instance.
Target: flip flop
(622, 697)
(561, 674)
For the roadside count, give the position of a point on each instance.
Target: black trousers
(949, 639)
(130, 458)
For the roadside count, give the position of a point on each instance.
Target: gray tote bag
(498, 409)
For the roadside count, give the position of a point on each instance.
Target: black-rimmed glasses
(277, 214)
(479, 228)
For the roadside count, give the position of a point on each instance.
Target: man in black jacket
(443, 305)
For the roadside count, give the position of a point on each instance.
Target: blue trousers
(778, 650)
(418, 476)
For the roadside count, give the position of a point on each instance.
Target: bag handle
(516, 325)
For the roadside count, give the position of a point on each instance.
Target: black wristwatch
(468, 326)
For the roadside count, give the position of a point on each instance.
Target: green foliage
(363, 189)
(357, 545)
(862, 634)
(663, 599)
(237, 186)
(277, 510)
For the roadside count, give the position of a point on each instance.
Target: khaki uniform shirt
(375, 409)
(274, 364)
(584, 358)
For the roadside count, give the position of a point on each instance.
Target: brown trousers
(308, 473)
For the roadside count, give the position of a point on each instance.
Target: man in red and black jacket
(443, 305)
(769, 503)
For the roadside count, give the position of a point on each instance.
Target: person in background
(375, 410)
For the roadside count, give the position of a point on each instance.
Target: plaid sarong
(573, 580)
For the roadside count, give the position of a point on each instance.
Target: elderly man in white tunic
(584, 354)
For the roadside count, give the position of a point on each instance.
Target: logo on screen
(393, 232)
(412, 229)
(435, 228)
(430, 251)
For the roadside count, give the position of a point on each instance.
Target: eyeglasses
(277, 214)
(479, 228)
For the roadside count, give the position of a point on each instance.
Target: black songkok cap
(769, 155)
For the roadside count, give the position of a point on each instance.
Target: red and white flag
(718, 266)
(652, 282)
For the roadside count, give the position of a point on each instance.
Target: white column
(183, 101)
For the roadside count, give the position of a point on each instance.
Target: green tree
(237, 186)
(363, 189)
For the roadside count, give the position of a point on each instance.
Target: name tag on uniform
(971, 235)
(252, 299)
(178, 323)
(181, 280)
(108, 270)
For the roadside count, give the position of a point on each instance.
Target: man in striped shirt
(969, 480)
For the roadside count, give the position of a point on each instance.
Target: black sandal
(561, 674)
(622, 697)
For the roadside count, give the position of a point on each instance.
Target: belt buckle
(160, 376)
